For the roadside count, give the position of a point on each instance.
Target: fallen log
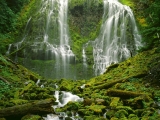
(125, 94)
(109, 84)
(36, 107)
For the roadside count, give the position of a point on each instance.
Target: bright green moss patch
(129, 3)
(97, 108)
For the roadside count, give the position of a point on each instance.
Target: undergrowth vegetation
(13, 17)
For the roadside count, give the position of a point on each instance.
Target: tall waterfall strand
(57, 14)
(48, 40)
(118, 38)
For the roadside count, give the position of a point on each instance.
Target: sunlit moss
(129, 3)
(142, 21)
(97, 108)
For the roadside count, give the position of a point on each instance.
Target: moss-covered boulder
(31, 117)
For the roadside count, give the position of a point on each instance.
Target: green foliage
(152, 31)
(89, 3)
(31, 117)
(4, 87)
(8, 14)
(16, 5)
(5, 40)
(88, 15)
(128, 3)
(7, 17)
(147, 15)
(13, 17)
(127, 86)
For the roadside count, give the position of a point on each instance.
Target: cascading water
(62, 98)
(118, 38)
(57, 47)
(47, 41)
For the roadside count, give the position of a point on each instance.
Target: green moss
(128, 3)
(36, 93)
(31, 117)
(127, 86)
(114, 101)
(110, 113)
(97, 108)
(133, 117)
(26, 12)
(84, 23)
(66, 85)
(26, 88)
(94, 118)
(126, 108)
(114, 118)
(18, 101)
(2, 119)
(4, 87)
(121, 114)
(70, 106)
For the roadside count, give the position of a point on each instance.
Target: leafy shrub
(4, 87)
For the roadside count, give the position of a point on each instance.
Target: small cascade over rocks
(62, 98)
(118, 38)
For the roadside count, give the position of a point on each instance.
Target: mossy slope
(125, 91)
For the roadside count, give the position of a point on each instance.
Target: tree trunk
(36, 107)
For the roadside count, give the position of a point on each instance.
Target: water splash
(118, 38)
(62, 98)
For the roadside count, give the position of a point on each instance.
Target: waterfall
(56, 37)
(47, 40)
(45, 44)
(118, 38)
(59, 47)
